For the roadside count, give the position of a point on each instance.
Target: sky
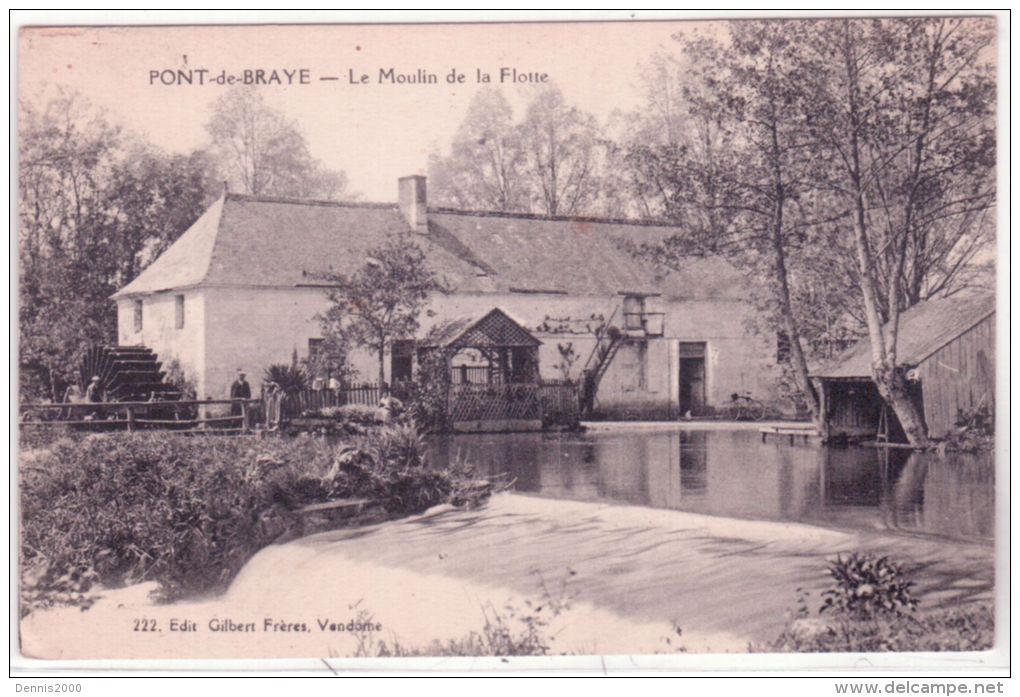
(374, 132)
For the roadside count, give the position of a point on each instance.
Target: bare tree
(484, 168)
(560, 142)
(264, 153)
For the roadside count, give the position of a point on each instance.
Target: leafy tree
(903, 110)
(94, 207)
(264, 153)
(484, 170)
(381, 301)
(729, 167)
(854, 171)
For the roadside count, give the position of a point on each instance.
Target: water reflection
(734, 474)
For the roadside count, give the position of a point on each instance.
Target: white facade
(227, 329)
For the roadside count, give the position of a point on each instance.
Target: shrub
(974, 432)
(870, 607)
(390, 464)
(360, 414)
(35, 436)
(866, 586)
(427, 397)
(121, 508)
(189, 511)
(290, 378)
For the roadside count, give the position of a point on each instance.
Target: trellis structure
(489, 370)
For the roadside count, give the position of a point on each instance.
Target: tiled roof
(923, 330)
(582, 256)
(271, 242)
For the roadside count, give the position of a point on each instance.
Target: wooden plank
(121, 405)
(91, 422)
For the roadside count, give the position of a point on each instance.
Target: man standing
(94, 392)
(239, 390)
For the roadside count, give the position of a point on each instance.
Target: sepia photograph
(368, 342)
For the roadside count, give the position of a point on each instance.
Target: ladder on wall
(607, 341)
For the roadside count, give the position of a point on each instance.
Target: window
(179, 311)
(138, 315)
(314, 350)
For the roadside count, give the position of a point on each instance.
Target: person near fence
(93, 395)
(240, 389)
(272, 395)
(72, 395)
(94, 392)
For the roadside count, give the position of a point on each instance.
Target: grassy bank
(969, 628)
(190, 511)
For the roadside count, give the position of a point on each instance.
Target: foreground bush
(33, 436)
(189, 511)
(870, 607)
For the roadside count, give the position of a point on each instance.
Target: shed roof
(924, 329)
(274, 242)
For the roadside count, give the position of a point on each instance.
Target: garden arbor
(486, 371)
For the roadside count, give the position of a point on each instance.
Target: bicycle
(744, 407)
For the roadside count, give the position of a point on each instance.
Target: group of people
(93, 392)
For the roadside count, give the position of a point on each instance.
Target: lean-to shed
(947, 345)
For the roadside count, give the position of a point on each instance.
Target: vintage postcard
(607, 338)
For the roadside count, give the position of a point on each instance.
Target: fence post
(245, 425)
(130, 419)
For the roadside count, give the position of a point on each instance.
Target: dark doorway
(692, 378)
(402, 361)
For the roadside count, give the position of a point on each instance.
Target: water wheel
(126, 374)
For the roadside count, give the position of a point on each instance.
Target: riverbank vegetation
(871, 606)
(190, 511)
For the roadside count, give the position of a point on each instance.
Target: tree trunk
(797, 360)
(889, 380)
(382, 366)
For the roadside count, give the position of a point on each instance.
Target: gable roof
(924, 329)
(273, 242)
(494, 329)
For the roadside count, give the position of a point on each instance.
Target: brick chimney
(414, 202)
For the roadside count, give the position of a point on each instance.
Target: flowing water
(701, 538)
(734, 474)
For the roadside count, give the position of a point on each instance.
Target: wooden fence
(367, 394)
(554, 403)
(560, 403)
(238, 415)
(474, 375)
